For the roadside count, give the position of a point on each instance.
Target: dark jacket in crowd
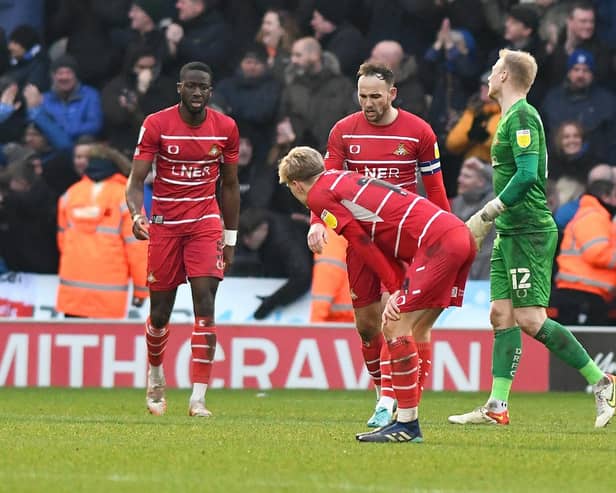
(27, 229)
(315, 102)
(207, 38)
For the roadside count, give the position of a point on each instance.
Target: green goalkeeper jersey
(519, 132)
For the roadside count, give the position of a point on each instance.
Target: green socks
(505, 361)
(560, 341)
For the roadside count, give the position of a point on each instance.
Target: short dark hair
(200, 66)
(599, 188)
(580, 5)
(378, 70)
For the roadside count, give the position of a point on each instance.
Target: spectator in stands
(27, 220)
(53, 164)
(579, 98)
(281, 247)
(338, 36)
(450, 72)
(586, 278)
(252, 95)
(277, 34)
(569, 206)
(474, 191)
(579, 34)
(521, 33)
(13, 118)
(571, 159)
(473, 133)
(452, 63)
(331, 295)
(98, 253)
(29, 63)
(200, 34)
(411, 95)
(145, 17)
(74, 106)
(88, 26)
(316, 95)
(141, 89)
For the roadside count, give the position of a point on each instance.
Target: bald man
(411, 95)
(566, 211)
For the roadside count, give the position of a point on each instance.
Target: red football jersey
(187, 166)
(370, 212)
(391, 152)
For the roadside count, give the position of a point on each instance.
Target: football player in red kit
(407, 241)
(192, 147)
(390, 144)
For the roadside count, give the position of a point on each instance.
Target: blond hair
(521, 66)
(300, 164)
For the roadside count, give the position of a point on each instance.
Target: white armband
(136, 217)
(230, 237)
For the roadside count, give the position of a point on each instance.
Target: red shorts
(171, 259)
(437, 276)
(364, 283)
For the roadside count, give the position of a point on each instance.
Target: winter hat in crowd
(25, 36)
(581, 56)
(154, 8)
(64, 60)
(256, 51)
(335, 11)
(526, 15)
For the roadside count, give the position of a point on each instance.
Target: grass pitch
(93, 440)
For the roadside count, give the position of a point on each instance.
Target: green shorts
(521, 268)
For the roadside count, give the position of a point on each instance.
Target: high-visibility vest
(99, 254)
(331, 296)
(587, 259)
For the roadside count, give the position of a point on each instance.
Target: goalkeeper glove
(479, 228)
(492, 210)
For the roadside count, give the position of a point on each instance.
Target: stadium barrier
(600, 342)
(34, 295)
(77, 353)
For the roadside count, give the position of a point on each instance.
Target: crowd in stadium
(77, 77)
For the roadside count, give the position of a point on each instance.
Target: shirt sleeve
(523, 133)
(429, 159)
(148, 142)
(335, 155)
(231, 151)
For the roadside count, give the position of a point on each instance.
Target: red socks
(424, 350)
(156, 340)
(203, 346)
(372, 356)
(386, 386)
(404, 371)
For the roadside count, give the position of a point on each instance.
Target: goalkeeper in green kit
(523, 253)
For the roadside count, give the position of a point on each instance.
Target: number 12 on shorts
(519, 278)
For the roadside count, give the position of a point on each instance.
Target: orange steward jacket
(98, 252)
(457, 141)
(331, 297)
(587, 259)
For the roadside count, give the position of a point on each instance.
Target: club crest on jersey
(522, 137)
(214, 150)
(354, 149)
(401, 150)
(329, 219)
